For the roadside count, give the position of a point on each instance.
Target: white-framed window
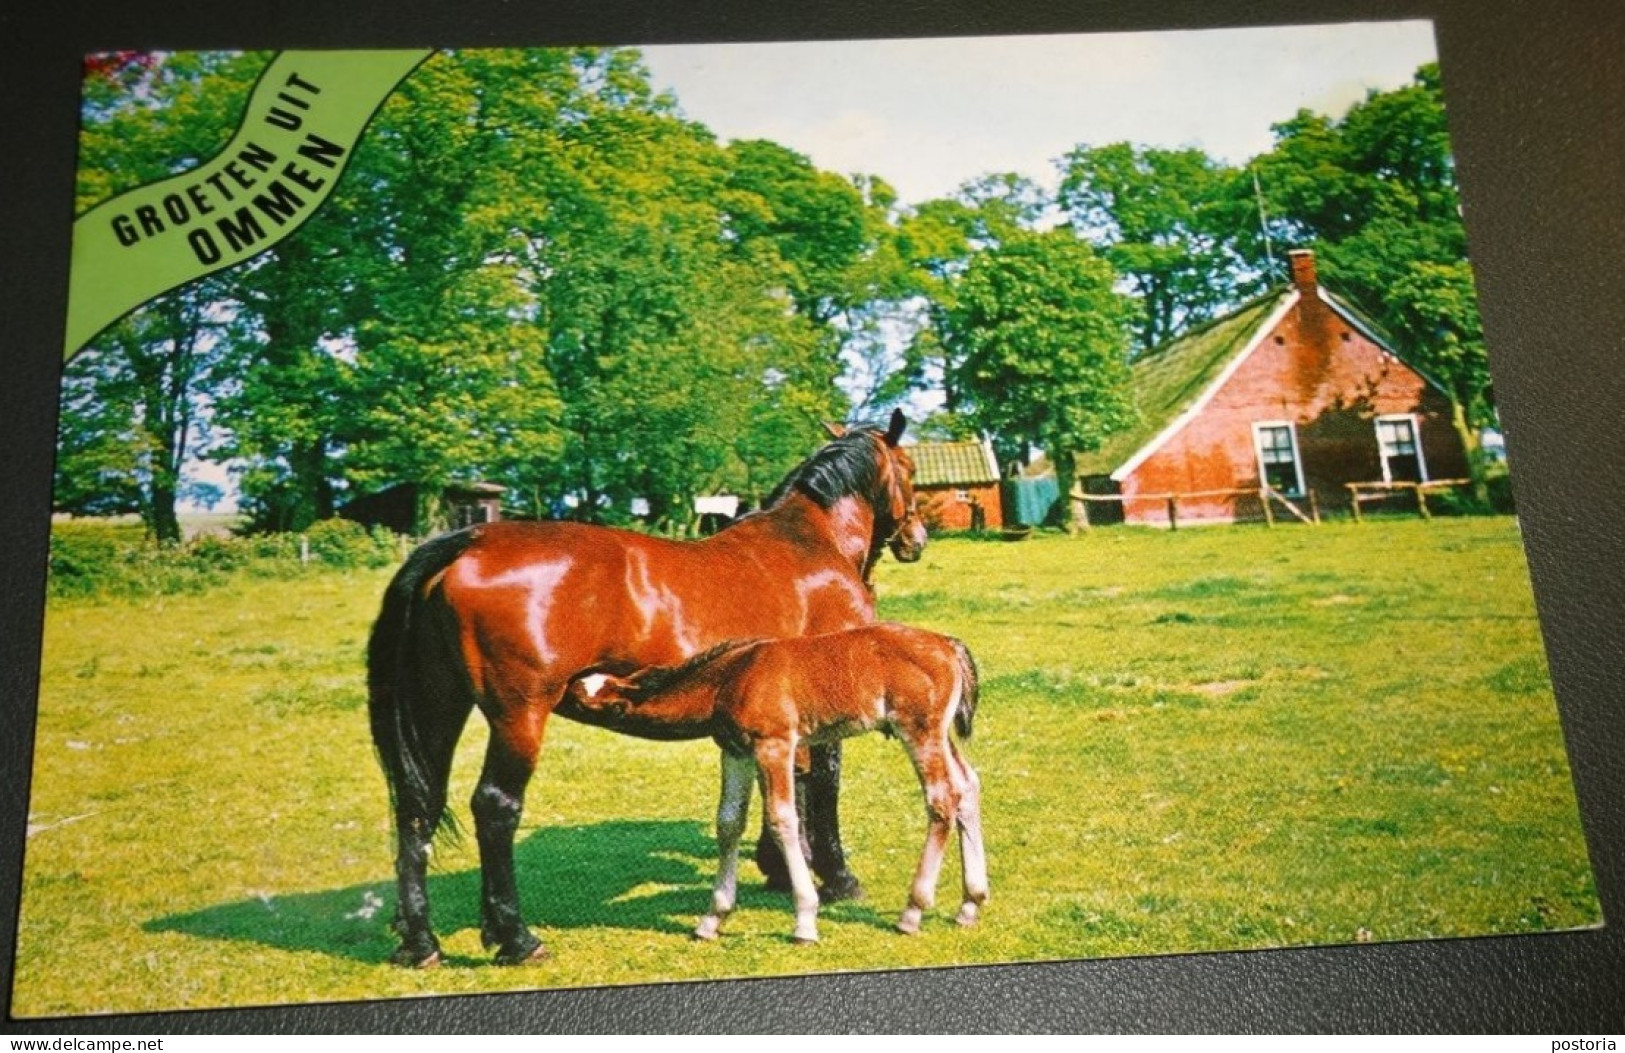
(962, 496)
(1279, 466)
(1399, 444)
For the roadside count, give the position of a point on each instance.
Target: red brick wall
(1322, 374)
(944, 511)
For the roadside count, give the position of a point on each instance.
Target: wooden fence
(1362, 492)
(1269, 498)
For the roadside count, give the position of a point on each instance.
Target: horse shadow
(644, 875)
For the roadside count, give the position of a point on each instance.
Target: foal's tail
(416, 706)
(969, 688)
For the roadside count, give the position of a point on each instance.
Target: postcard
(561, 517)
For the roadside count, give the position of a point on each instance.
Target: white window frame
(1416, 440)
(1297, 452)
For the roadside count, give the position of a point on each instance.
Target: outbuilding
(957, 484)
(401, 507)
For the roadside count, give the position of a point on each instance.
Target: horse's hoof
(909, 923)
(532, 950)
(969, 915)
(844, 885)
(803, 941)
(413, 958)
(708, 929)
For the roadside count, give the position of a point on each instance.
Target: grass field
(1210, 739)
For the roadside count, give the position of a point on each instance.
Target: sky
(927, 115)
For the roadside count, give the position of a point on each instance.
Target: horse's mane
(843, 467)
(653, 680)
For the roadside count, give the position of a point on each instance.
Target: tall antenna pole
(1263, 223)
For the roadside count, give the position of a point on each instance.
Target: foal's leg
(972, 855)
(769, 858)
(738, 772)
(499, 798)
(931, 763)
(776, 761)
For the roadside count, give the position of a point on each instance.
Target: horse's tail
(411, 739)
(969, 689)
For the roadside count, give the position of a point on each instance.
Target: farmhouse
(1293, 392)
(957, 484)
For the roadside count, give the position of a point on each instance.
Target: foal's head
(684, 693)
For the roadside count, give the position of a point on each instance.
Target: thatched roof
(1168, 379)
(953, 464)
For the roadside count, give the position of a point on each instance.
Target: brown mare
(764, 700)
(503, 615)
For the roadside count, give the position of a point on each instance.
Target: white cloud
(928, 114)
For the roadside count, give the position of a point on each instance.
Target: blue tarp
(1028, 502)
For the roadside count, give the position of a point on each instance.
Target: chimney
(1303, 271)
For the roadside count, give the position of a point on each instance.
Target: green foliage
(157, 114)
(1040, 338)
(1174, 223)
(341, 543)
(938, 242)
(99, 460)
(100, 560)
(813, 220)
(1493, 497)
(535, 272)
(104, 560)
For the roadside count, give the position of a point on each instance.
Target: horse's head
(898, 524)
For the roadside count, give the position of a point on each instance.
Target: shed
(957, 484)
(1294, 391)
(398, 507)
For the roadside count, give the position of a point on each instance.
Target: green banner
(296, 136)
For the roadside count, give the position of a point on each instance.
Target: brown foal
(764, 700)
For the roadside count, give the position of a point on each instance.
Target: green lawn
(1210, 739)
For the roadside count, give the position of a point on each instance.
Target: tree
(98, 459)
(535, 272)
(441, 354)
(1041, 338)
(131, 410)
(814, 220)
(288, 399)
(686, 309)
(1172, 223)
(1375, 195)
(938, 242)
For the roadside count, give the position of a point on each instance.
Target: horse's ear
(835, 430)
(894, 430)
